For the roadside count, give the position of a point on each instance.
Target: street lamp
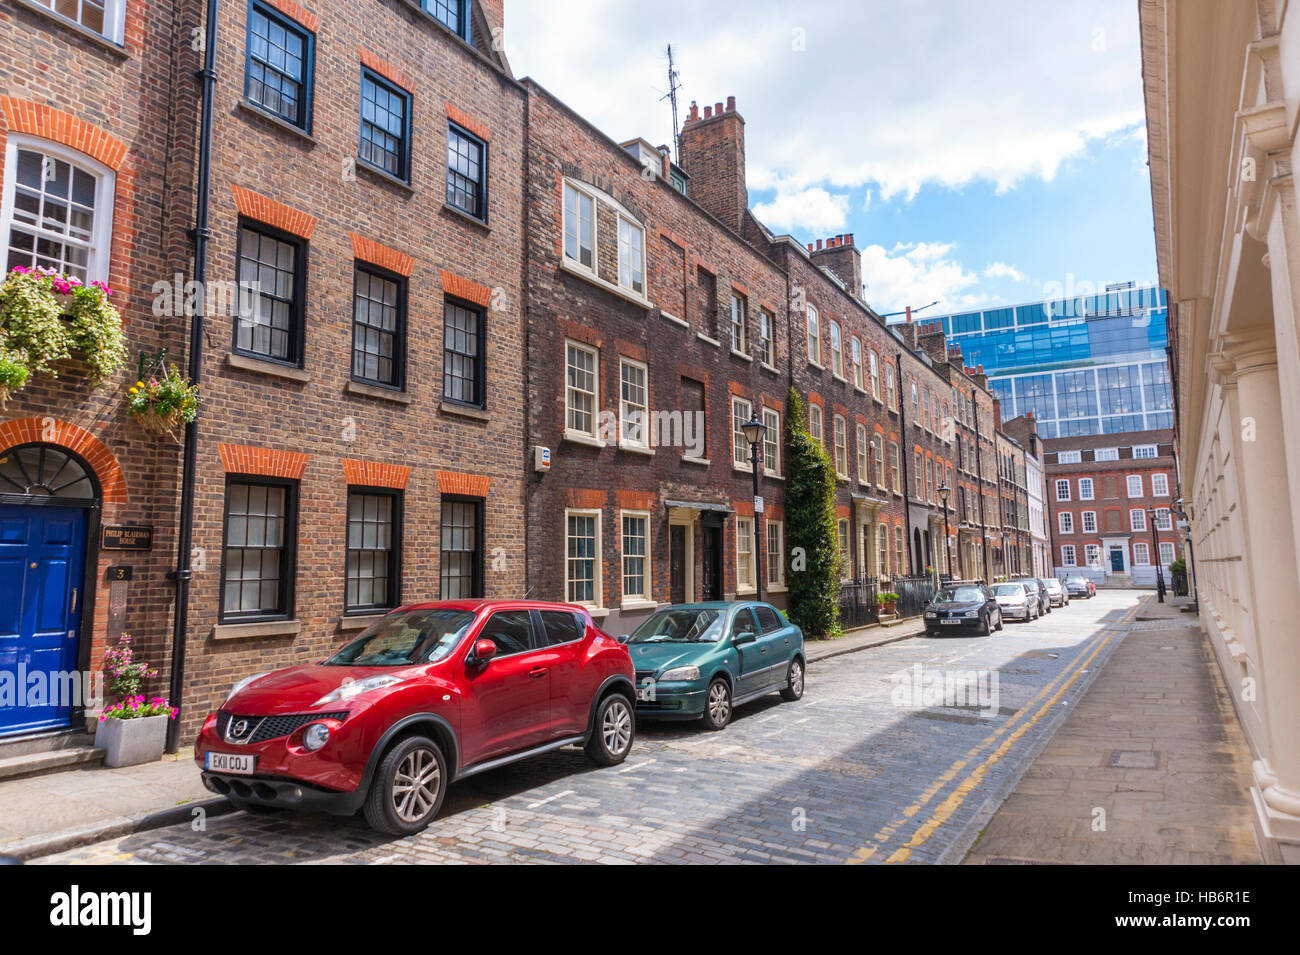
(944, 491)
(1155, 555)
(754, 432)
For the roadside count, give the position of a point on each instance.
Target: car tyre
(612, 731)
(793, 688)
(717, 705)
(999, 626)
(986, 626)
(408, 787)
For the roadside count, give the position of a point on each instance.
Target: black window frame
(480, 364)
(307, 102)
(481, 215)
(394, 595)
(297, 335)
(399, 335)
(462, 28)
(408, 102)
(477, 561)
(288, 552)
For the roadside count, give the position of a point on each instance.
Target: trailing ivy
(815, 559)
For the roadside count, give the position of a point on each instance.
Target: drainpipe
(185, 533)
(905, 453)
(979, 474)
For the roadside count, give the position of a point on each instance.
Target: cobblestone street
(858, 771)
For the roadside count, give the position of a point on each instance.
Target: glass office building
(1091, 364)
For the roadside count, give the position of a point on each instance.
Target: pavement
(1151, 767)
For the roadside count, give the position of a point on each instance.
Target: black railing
(1179, 582)
(858, 604)
(913, 594)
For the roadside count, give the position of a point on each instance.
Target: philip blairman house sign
(128, 537)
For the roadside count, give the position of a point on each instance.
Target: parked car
(963, 608)
(702, 660)
(1016, 601)
(427, 695)
(1055, 592)
(1033, 583)
(1078, 587)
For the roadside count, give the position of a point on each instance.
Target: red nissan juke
(429, 694)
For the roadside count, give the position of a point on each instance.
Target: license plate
(238, 764)
(952, 620)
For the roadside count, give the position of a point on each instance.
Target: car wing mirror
(624, 637)
(484, 650)
(743, 638)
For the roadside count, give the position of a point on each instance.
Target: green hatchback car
(702, 660)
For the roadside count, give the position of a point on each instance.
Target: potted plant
(134, 731)
(164, 403)
(888, 601)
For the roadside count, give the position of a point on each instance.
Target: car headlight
(971, 613)
(680, 673)
(356, 687)
(929, 615)
(315, 736)
(243, 683)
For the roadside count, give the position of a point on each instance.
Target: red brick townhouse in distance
(85, 135)
(361, 438)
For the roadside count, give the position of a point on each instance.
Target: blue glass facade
(1085, 365)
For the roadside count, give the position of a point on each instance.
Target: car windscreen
(679, 626)
(960, 595)
(406, 637)
(1008, 590)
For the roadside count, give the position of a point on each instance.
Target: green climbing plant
(814, 551)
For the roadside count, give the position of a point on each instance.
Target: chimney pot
(708, 112)
(850, 238)
(810, 246)
(731, 104)
(717, 108)
(695, 112)
(819, 245)
(909, 313)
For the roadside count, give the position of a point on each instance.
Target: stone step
(53, 761)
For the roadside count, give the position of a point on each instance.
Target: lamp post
(1155, 555)
(944, 491)
(754, 431)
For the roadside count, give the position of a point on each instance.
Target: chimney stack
(842, 257)
(712, 152)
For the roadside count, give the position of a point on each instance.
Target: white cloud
(812, 210)
(917, 274)
(948, 92)
(1000, 270)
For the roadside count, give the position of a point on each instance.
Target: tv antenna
(674, 84)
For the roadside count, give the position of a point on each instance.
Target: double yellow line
(1048, 696)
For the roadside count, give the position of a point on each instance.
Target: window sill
(248, 631)
(859, 389)
(587, 275)
(465, 217)
(712, 341)
(384, 178)
(378, 391)
(597, 613)
(638, 604)
(745, 591)
(772, 368)
(360, 621)
(776, 588)
(112, 46)
(746, 470)
(276, 122)
(464, 411)
(577, 437)
(840, 378)
(816, 364)
(774, 475)
(265, 367)
(686, 459)
(637, 449)
(674, 319)
(741, 354)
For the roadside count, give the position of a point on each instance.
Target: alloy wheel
(796, 677)
(616, 727)
(416, 785)
(719, 702)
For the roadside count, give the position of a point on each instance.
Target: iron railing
(913, 594)
(858, 604)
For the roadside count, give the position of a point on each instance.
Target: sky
(982, 152)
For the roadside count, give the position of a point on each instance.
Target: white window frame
(1137, 519)
(864, 456)
(1084, 520)
(895, 467)
(1145, 451)
(813, 334)
(855, 351)
(840, 426)
(1105, 454)
(1063, 484)
(873, 360)
(646, 578)
(598, 586)
(1159, 484)
(1164, 519)
(1128, 483)
(891, 387)
(739, 324)
(569, 430)
(630, 225)
(1065, 522)
(114, 20)
(627, 409)
(837, 349)
(774, 569)
(772, 439)
(1167, 547)
(844, 537)
(878, 459)
(1085, 483)
(576, 262)
(1069, 457)
(1089, 551)
(1141, 554)
(745, 536)
(766, 343)
(739, 443)
(1068, 556)
(100, 247)
(818, 432)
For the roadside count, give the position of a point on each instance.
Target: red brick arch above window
(242, 459)
(298, 13)
(37, 119)
(460, 287)
(273, 213)
(368, 250)
(467, 122)
(112, 482)
(388, 71)
(374, 474)
(470, 485)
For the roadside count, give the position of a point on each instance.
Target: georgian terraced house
(467, 346)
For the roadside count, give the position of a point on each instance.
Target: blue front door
(1116, 560)
(41, 567)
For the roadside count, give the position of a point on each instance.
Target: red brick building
(1100, 493)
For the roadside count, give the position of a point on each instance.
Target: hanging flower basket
(47, 317)
(164, 403)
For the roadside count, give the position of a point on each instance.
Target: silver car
(1058, 595)
(1015, 601)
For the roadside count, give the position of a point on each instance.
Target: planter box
(130, 742)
